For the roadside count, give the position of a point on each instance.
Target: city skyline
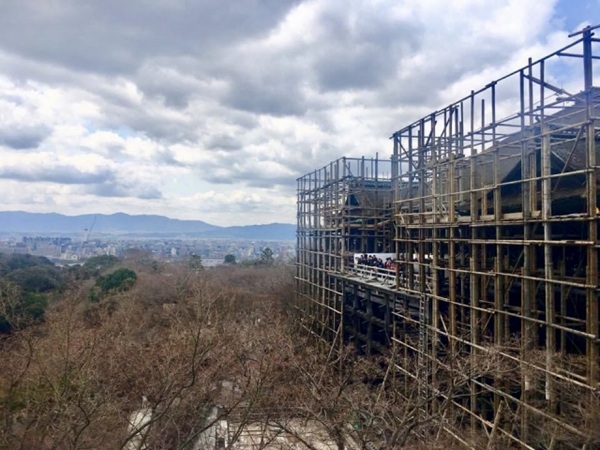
(197, 111)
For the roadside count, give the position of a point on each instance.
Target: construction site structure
(490, 210)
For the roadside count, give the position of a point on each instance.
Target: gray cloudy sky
(210, 109)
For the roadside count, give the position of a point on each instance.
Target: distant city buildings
(73, 250)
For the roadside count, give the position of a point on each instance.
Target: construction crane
(88, 231)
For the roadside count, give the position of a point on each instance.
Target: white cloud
(197, 110)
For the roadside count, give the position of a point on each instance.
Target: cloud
(224, 142)
(151, 106)
(269, 96)
(23, 137)
(260, 206)
(121, 189)
(114, 37)
(40, 167)
(361, 47)
(91, 174)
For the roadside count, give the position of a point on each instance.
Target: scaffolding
(344, 208)
(493, 218)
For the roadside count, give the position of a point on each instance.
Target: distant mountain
(120, 223)
(23, 222)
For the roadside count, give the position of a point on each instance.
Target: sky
(210, 109)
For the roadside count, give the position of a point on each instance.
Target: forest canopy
(26, 282)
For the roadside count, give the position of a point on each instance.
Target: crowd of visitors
(374, 261)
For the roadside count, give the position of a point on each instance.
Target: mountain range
(136, 225)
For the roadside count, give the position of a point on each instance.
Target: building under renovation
(489, 211)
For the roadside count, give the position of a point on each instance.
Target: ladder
(422, 361)
(424, 339)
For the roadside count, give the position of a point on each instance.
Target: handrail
(367, 272)
(385, 276)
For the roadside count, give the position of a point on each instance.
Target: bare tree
(217, 345)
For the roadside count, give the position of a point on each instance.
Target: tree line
(28, 284)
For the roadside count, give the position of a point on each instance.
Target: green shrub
(118, 281)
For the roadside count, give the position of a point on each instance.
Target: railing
(387, 277)
(373, 274)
